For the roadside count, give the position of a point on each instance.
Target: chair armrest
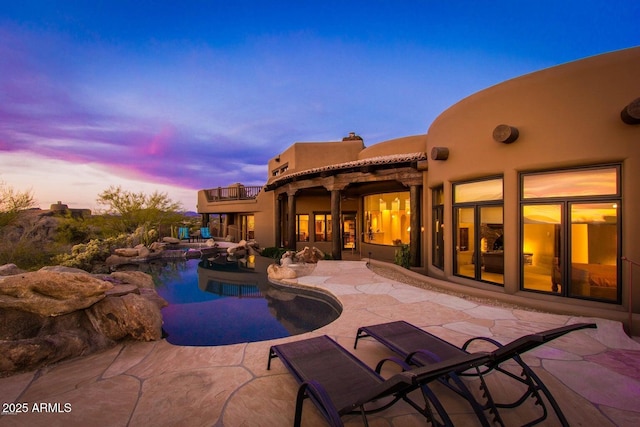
(490, 340)
(316, 391)
(396, 360)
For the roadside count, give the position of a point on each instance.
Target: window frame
(565, 227)
(476, 206)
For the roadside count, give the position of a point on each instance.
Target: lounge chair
(205, 233)
(339, 383)
(183, 233)
(420, 348)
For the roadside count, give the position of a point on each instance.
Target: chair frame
(433, 349)
(316, 364)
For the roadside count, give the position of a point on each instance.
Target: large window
(479, 230)
(387, 218)
(437, 227)
(570, 232)
(302, 227)
(322, 227)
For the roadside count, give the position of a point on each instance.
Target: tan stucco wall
(308, 155)
(407, 144)
(566, 116)
(264, 219)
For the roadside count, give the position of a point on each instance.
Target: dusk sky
(180, 96)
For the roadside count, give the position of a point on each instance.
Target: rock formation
(59, 312)
(292, 264)
(277, 272)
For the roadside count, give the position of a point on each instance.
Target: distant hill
(191, 214)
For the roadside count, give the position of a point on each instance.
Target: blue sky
(180, 96)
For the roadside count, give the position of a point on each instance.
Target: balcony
(236, 192)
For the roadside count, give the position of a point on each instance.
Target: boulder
(51, 293)
(312, 255)
(277, 272)
(28, 340)
(129, 316)
(126, 252)
(50, 315)
(157, 247)
(138, 278)
(171, 240)
(10, 270)
(63, 269)
(143, 251)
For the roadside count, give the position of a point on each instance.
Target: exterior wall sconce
(631, 113)
(439, 153)
(505, 134)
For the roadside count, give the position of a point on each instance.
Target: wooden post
(277, 213)
(292, 222)
(336, 233)
(415, 236)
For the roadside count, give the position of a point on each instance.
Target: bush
(84, 256)
(26, 255)
(403, 256)
(273, 252)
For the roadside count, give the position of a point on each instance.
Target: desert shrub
(273, 252)
(85, 255)
(403, 256)
(27, 255)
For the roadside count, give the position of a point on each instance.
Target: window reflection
(571, 246)
(589, 182)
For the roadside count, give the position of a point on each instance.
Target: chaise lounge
(339, 383)
(420, 348)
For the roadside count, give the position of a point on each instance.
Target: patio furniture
(205, 233)
(420, 348)
(339, 383)
(183, 233)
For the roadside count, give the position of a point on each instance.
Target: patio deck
(594, 374)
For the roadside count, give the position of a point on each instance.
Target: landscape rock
(138, 278)
(126, 252)
(10, 270)
(277, 272)
(53, 314)
(63, 269)
(129, 316)
(51, 293)
(30, 340)
(143, 251)
(312, 255)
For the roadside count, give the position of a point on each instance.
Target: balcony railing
(232, 193)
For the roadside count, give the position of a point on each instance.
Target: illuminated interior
(570, 246)
(387, 218)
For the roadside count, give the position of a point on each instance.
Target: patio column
(291, 235)
(336, 234)
(277, 213)
(205, 219)
(415, 235)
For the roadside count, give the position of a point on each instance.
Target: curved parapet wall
(407, 144)
(558, 118)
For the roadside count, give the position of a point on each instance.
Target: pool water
(214, 303)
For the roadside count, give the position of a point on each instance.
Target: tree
(135, 210)
(12, 202)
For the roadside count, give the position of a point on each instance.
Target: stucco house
(529, 189)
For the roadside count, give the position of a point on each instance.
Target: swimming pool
(213, 303)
